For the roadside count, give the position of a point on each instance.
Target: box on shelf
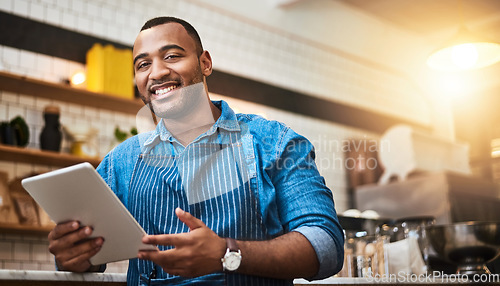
(110, 70)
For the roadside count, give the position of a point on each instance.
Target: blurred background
(340, 72)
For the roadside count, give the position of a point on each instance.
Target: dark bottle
(51, 136)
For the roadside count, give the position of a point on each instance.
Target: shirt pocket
(209, 170)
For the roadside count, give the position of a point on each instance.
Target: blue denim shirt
(291, 194)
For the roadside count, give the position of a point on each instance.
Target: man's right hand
(72, 247)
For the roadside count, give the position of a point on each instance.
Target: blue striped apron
(213, 183)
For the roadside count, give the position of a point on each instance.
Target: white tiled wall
(25, 252)
(238, 46)
(29, 252)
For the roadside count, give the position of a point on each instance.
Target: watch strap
(232, 245)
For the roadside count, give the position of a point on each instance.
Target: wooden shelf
(41, 89)
(24, 229)
(33, 156)
(38, 88)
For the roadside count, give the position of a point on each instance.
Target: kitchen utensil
(83, 140)
(470, 245)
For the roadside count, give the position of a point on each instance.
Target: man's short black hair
(189, 29)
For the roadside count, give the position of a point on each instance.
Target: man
(228, 199)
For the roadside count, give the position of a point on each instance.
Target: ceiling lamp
(465, 51)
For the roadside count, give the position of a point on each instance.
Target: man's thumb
(188, 219)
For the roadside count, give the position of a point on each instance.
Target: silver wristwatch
(232, 259)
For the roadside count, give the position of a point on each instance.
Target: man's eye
(142, 65)
(171, 57)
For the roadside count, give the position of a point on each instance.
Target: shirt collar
(227, 121)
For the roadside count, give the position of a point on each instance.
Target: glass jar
(364, 256)
(415, 228)
(409, 248)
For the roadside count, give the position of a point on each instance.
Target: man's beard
(180, 102)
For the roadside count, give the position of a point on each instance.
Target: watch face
(232, 261)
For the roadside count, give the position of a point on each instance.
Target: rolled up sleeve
(326, 250)
(305, 204)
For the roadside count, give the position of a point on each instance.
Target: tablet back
(79, 193)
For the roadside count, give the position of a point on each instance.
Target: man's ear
(206, 63)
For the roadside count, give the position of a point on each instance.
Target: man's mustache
(162, 81)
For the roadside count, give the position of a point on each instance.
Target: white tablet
(79, 193)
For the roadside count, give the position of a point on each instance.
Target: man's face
(166, 61)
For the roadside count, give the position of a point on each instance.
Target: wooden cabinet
(41, 89)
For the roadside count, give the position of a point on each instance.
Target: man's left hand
(195, 253)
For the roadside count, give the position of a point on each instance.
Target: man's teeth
(165, 90)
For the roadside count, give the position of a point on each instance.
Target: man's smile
(163, 90)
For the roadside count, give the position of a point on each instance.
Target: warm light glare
(495, 148)
(451, 85)
(464, 56)
(467, 56)
(495, 153)
(78, 78)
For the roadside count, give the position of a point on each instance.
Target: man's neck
(188, 127)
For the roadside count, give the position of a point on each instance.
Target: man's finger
(149, 255)
(191, 221)
(166, 239)
(62, 229)
(68, 240)
(80, 249)
(80, 263)
(168, 259)
(159, 239)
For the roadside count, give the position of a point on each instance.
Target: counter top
(378, 282)
(45, 278)
(54, 278)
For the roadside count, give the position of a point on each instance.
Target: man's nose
(158, 70)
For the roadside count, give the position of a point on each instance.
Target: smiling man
(229, 199)
(168, 60)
